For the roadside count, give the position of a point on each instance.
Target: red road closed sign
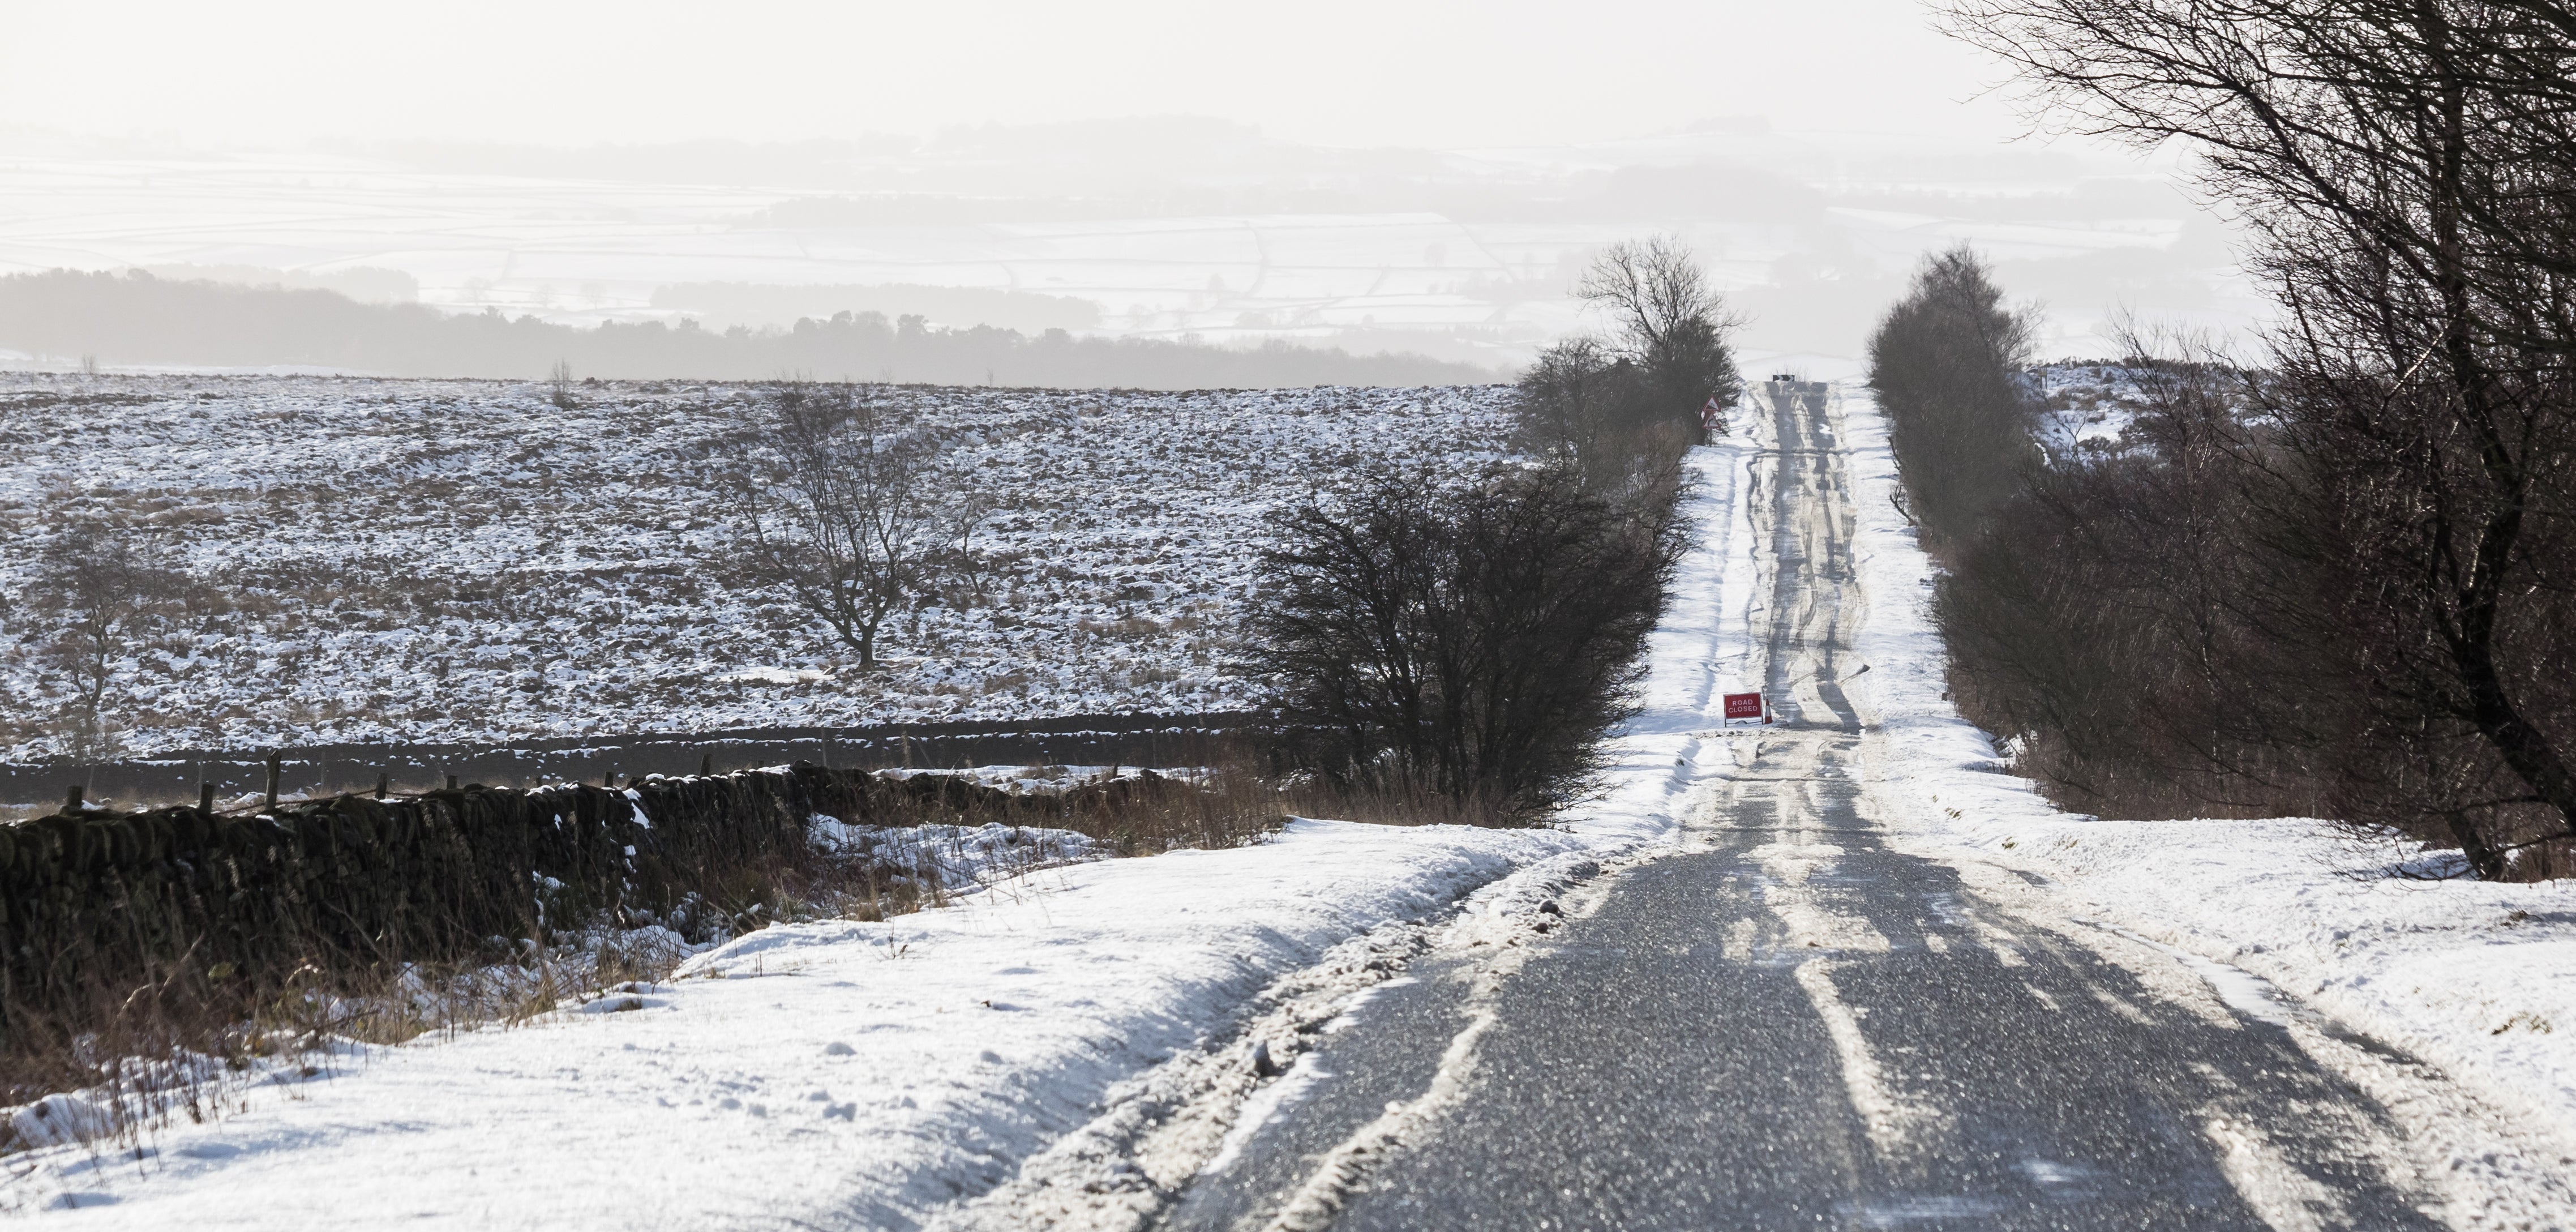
(1743, 705)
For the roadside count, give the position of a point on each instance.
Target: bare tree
(2409, 170)
(97, 590)
(836, 504)
(962, 515)
(2128, 611)
(1671, 324)
(1623, 410)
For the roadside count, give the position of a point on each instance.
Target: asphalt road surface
(1790, 1025)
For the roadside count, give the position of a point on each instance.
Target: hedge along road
(1787, 1024)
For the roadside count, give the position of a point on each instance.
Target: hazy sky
(1338, 72)
(1891, 124)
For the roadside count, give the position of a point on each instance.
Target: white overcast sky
(1336, 72)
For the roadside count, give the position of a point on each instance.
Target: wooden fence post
(451, 782)
(206, 800)
(707, 765)
(72, 800)
(380, 786)
(272, 780)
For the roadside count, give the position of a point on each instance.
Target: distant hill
(135, 318)
(759, 304)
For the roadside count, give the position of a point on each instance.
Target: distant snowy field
(463, 561)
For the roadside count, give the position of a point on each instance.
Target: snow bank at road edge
(844, 1072)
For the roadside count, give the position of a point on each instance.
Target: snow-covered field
(2478, 979)
(463, 561)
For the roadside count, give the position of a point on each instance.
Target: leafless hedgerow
(2409, 174)
(2122, 615)
(837, 503)
(142, 1025)
(1570, 400)
(1460, 652)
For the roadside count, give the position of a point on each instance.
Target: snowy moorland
(386, 560)
(2086, 404)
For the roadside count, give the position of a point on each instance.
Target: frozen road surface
(1789, 1024)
